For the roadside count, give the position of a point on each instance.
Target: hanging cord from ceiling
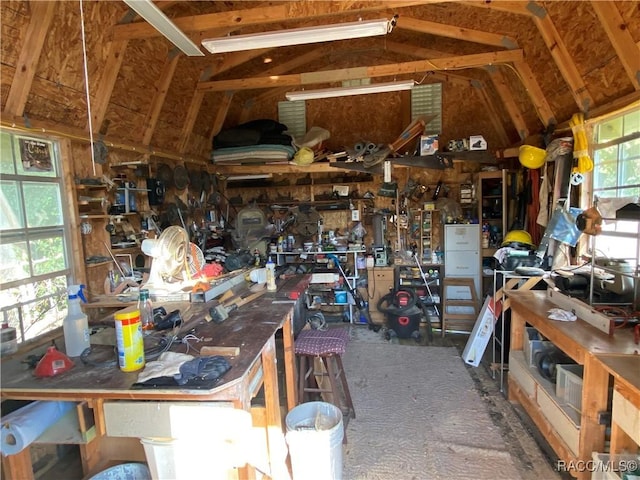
(86, 85)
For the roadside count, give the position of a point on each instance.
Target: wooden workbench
(573, 435)
(253, 328)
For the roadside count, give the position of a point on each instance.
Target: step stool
(327, 346)
(458, 320)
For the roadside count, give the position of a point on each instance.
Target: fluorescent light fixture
(346, 91)
(156, 17)
(258, 176)
(299, 36)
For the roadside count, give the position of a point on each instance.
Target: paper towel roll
(20, 428)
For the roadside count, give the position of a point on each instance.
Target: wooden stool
(327, 346)
(459, 319)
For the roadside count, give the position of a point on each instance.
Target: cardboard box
(480, 335)
(477, 142)
(428, 144)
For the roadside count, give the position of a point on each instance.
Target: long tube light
(299, 36)
(156, 17)
(346, 91)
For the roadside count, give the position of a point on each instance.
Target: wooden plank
(518, 8)
(41, 17)
(220, 350)
(494, 117)
(230, 60)
(328, 76)
(501, 84)
(545, 114)
(18, 466)
(190, 120)
(261, 15)
(626, 415)
(162, 88)
(223, 109)
(81, 135)
(113, 62)
(620, 37)
(564, 61)
(459, 33)
(583, 311)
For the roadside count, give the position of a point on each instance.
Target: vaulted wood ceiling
(510, 69)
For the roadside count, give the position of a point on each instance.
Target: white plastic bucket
(314, 435)
(161, 457)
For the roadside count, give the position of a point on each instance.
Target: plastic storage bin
(569, 384)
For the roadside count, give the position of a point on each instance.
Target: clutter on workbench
(146, 309)
(75, 326)
(129, 339)
(53, 363)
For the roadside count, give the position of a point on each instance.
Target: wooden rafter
(502, 87)
(459, 33)
(328, 76)
(228, 61)
(564, 61)
(286, 11)
(518, 8)
(190, 120)
(115, 55)
(162, 88)
(221, 115)
(545, 114)
(494, 116)
(618, 33)
(41, 17)
(479, 87)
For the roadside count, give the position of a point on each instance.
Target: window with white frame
(34, 246)
(616, 174)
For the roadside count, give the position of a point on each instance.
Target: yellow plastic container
(129, 340)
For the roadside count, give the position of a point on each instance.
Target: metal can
(129, 339)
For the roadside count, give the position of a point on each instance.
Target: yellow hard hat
(520, 237)
(531, 157)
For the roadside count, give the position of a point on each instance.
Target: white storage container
(569, 384)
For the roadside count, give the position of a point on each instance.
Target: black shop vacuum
(403, 311)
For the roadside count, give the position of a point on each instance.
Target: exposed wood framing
(519, 8)
(501, 84)
(190, 120)
(231, 60)
(618, 33)
(459, 33)
(302, 10)
(221, 115)
(494, 117)
(563, 61)
(328, 76)
(45, 127)
(545, 114)
(115, 55)
(41, 17)
(478, 86)
(166, 75)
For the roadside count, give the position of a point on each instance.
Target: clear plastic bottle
(146, 309)
(75, 326)
(271, 275)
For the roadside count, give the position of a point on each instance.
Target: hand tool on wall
(221, 312)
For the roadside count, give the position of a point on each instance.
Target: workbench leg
(18, 466)
(289, 363)
(276, 444)
(594, 402)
